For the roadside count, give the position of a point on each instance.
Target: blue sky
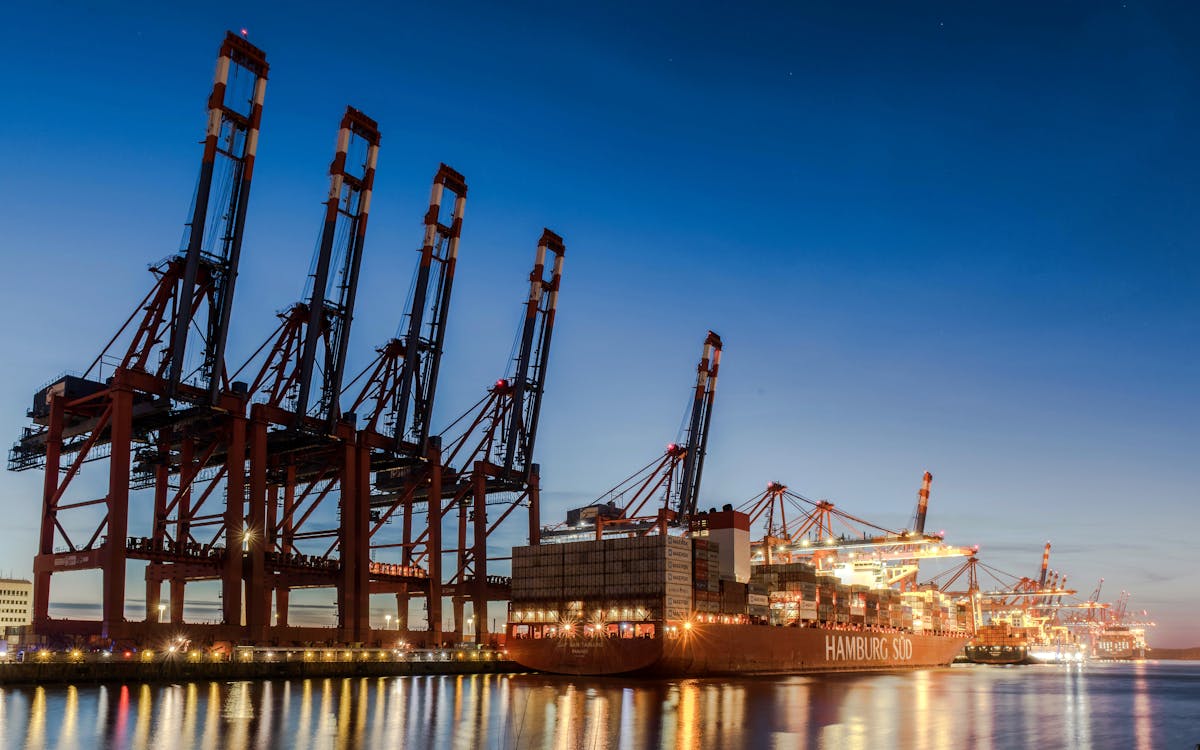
(932, 236)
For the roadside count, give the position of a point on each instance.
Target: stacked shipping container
(625, 578)
(797, 594)
(706, 570)
(660, 577)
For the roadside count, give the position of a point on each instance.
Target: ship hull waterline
(737, 649)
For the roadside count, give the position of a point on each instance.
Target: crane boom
(232, 135)
(697, 438)
(423, 342)
(331, 310)
(321, 324)
(922, 503)
(529, 380)
(1045, 566)
(397, 392)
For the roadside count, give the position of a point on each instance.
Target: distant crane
(922, 504)
(821, 532)
(1045, 563)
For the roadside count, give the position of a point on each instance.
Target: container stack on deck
(660, 578)
(707, 576)
(799, 595)
(622, 579)
(931, 610)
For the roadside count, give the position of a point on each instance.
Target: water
(1113, 705)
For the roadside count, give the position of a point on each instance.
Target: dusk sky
(944, 236)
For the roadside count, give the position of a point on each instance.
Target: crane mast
(397, 392)
(672, 477)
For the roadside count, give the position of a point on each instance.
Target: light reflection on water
(1142, 705)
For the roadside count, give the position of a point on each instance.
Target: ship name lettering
(863, 648)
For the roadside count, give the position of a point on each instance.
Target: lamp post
(161, 608)
(387, 619)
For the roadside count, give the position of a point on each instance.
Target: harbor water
(1094, 705)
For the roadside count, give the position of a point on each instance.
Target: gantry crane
(159, 388)
(159, 410)
(395, 400)
(488, 461)
(1117, 614)
(1008, 592)
(821, 533)
(946, 580)
(671, 481)
(300, 454)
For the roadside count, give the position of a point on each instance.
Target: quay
(76, 667)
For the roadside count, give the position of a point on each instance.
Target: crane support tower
(149, 412)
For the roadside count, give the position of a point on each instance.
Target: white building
(16, 603)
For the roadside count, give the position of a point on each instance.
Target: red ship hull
(735, 649)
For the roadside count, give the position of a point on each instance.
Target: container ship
(1012, 641)
(1117, 642)
(666, 603)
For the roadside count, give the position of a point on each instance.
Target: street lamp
(161, 608)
